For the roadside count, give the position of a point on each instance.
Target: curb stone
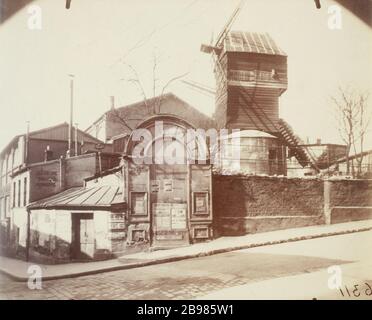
(184, 257)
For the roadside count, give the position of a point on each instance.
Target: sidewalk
(17, 269)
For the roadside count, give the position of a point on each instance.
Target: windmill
(251, 75)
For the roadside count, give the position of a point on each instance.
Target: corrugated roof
(239, 41)
(100, 197)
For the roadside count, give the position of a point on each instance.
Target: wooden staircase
(294, 143)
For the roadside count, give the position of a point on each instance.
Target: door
(83, 236)
(169, 205)
(86, 238)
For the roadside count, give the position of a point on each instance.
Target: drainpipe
(28, 234)
(100, 162)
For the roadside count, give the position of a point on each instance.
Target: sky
(98, 41)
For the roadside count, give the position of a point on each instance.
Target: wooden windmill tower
(251, 74)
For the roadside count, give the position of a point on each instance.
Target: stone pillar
(327, 201)
(62, 173)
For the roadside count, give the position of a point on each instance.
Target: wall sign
(155, 186)
(116, 227)
(116, 235)
(200, 202)
(201, 232)
(168, 185)
(178, 216)
(169, 235)
(138, 203)
(162, 212)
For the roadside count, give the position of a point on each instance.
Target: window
(19, 194)
(7, 206)
(25, 192)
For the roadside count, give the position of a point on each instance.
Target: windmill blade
(212, 37)
(200, 86)
(215, 48)
(230, 22)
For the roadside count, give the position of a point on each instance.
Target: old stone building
(35, 166)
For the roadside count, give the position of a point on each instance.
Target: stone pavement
(18, 269)
(354, 252)
(305, 286)
(243, 271)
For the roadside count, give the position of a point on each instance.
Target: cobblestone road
(186, 279)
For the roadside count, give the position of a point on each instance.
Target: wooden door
(169, 205)
(82, 236)
(87, 238)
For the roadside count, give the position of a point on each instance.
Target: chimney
(318, 141)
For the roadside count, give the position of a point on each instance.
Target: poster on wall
(162, 212)
(168, 185)
(139, 203)
(178, 216)
(201, 202)
(155, 186)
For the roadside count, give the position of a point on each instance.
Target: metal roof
(58, 132)
(99, 198)
(252, 42)
(136, 112)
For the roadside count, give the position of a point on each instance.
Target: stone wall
(351, 193)
(250, 204)
(349, 200)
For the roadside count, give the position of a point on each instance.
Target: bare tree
(134, 79)
(353, 120)
(361, 130)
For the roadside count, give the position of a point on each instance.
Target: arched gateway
(168, 183)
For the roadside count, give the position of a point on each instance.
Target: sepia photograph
(186, 155)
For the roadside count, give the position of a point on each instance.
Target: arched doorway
(164, 173)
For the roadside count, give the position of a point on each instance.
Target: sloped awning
(92, 198)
